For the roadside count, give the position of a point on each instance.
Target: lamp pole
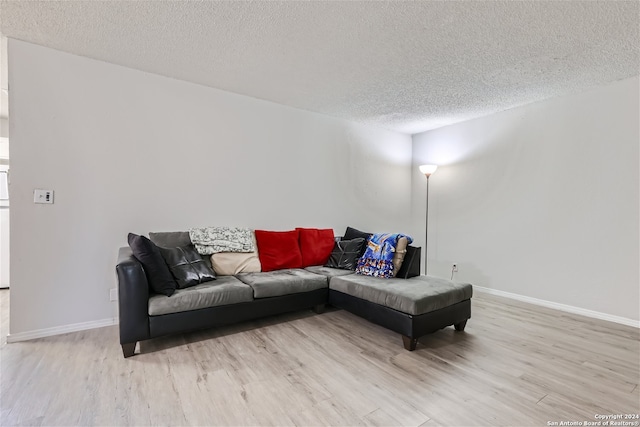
(427, 170)
(426, 232)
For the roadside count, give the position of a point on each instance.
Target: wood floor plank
(515, 364)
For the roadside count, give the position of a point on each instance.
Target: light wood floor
(516, 364)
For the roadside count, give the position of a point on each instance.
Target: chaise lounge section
(412, 307)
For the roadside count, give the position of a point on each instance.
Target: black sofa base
(409, 326)
(187, 321)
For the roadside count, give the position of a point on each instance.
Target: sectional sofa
(409, 304)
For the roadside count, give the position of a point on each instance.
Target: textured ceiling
(406, 66)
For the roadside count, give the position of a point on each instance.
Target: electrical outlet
(454, 267)
(113, 294)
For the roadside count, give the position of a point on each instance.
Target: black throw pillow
(187, 266)
(345, 254)
(352, 233)
(158, 275)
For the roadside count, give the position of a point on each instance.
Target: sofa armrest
(133, 298)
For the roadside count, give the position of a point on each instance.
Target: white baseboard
(561, 307)
(57, 330)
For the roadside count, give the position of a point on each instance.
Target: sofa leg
(128, 349)
(319, 309)
(409, 343)
(460, 326)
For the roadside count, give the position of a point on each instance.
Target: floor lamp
(427, 170)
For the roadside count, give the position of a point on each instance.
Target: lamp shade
(428, 169)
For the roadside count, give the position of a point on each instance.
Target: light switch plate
(42, 196)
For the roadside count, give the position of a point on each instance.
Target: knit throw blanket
(211, 240)
(377, 260)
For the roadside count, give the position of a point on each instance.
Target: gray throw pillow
(170, 239)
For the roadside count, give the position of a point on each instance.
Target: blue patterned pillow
(377, 260)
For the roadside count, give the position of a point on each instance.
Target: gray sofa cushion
(170, 239)
(328, 271)
(222, 291)
(282, 282)
(418, 295)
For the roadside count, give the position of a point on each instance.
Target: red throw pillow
(278, 249)
(316, 245)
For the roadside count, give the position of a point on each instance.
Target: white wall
(131, 151)
(4, 127)
(5, 276)
(540, 201)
